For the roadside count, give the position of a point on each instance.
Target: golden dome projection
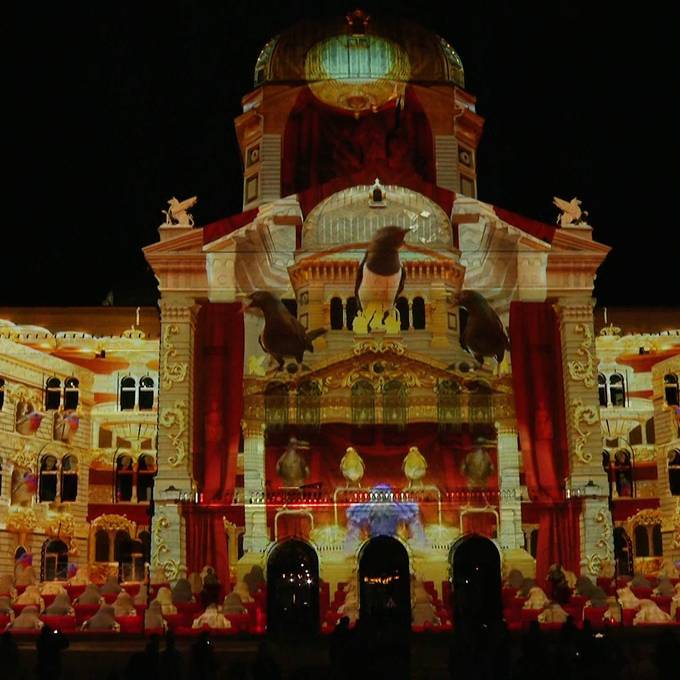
(356, 72)
(358, 61)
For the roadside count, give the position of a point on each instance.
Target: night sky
(112, 108)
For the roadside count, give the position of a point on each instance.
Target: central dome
(357, 62)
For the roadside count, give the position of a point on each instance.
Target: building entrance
(293, 588)
(476, 581)
(384, 583)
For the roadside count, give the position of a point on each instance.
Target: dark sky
(113, 107)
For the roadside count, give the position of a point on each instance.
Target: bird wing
(564, 206)
(359, 279)
(400, 288)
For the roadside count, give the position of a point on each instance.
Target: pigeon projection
(484, 334)
(283, 335)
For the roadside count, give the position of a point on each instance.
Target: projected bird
(380, 276)
(352, 467)
(283, 335)
(483, 334)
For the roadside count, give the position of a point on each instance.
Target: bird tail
(313, 335)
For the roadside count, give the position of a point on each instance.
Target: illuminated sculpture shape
(382, 515)
(352, 467)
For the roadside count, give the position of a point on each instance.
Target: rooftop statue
(571, 212)
(177, 214)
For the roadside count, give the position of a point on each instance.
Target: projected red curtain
(206, 542)
(218, 395)
(539, 403)
(321, 143)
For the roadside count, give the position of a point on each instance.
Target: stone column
(174, 480)
(256, 537)
(586, 479)
(510, 494)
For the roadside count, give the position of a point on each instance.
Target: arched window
(47, 489)
(145, 539)
(657, 541)
(128, 391)
(336, 314)
(309, 404)
(641, 541)
(602, 389)
(402, 308)
(394, 404)
(363, 403)
(623, 474)
(146, 386)
(418, 311)
(2, 393)
(54, 561)
(617, 390)
(533, 542)
(71, 394)
(276, 405)
(674, 472)
(124, 478)
(350, 312)
(52, 394)
(101, 546)
(146, 469)
(69, 478)
(671, 389)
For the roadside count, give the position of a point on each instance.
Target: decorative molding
(17, 392)
(60, 525)
(611, 330)
(21, 520)
(175, 417)
(171, 568)
(178, 310)
(596, 561)
(114, 523)
(583, 371)
(172, 372)
(588, 416)
(647, 517)
(379, 347)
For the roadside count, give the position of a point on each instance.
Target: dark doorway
(623, 552)
(293, 588)
(384, 583)
(476, 580)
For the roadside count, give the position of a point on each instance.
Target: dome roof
(358, 49)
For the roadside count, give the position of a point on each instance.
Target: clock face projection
(356, 72)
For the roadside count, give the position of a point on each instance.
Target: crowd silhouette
(479, 652)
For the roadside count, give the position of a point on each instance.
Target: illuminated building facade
(397, 442)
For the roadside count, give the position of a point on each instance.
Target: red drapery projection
(321, 143)
(220, 394)
(218, 391)
(539, 402)
(206, 541)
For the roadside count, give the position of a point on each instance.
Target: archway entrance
(476, 580)
(293, 588)
(384, 582)
(623, 552)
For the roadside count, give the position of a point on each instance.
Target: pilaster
(510, 497)
(587, 479)
(174, 480)
(256, 537)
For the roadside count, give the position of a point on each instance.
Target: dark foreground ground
(624, 654)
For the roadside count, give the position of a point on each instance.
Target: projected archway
(476, 580)
(293, 588)
(384, 582)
